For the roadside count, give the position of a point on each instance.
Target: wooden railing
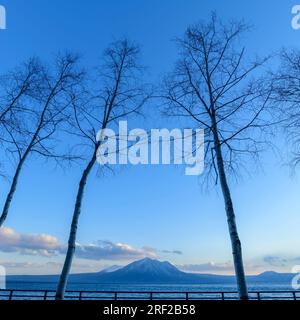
(17, 294)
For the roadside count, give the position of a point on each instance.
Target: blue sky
(146, 210)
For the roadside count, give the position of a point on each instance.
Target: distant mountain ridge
(111, 269)
(153, 272)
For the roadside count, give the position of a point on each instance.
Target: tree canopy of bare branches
(286, 96)
(35, 105)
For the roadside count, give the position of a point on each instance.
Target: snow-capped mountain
(146, 270)
(151, 267)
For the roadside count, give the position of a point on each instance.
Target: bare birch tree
(121, 95)
(286, 96)
(37, 109)
(16, 86)
(212, 86)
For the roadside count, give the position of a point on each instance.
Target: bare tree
(16, 86)
(286, 96)
(211, 86)
(121, 95)
(37, 109)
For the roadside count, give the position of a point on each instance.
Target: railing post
(151, 296)
(294, 295)
(11, 294)
(186, 296)
(116, 295)
(223, 296)
(80, 295)
(45, 295)
(258, 295)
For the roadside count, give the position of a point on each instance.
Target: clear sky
(155, 211)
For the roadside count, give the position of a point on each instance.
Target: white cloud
(89, 257)
(47, 245)
(275, 261)
(210, 267)
(172, 252)
(107, 250)
(50, 267)
(29, 244)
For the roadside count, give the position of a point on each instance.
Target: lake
(159, 288)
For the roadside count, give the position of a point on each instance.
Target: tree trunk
(12, 191)
(234, 237)
(60, 292)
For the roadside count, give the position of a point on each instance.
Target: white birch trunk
(10, 194)
(61, 288)
(234, 237)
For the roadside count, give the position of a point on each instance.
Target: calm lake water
(149, 287)
(160, 288)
